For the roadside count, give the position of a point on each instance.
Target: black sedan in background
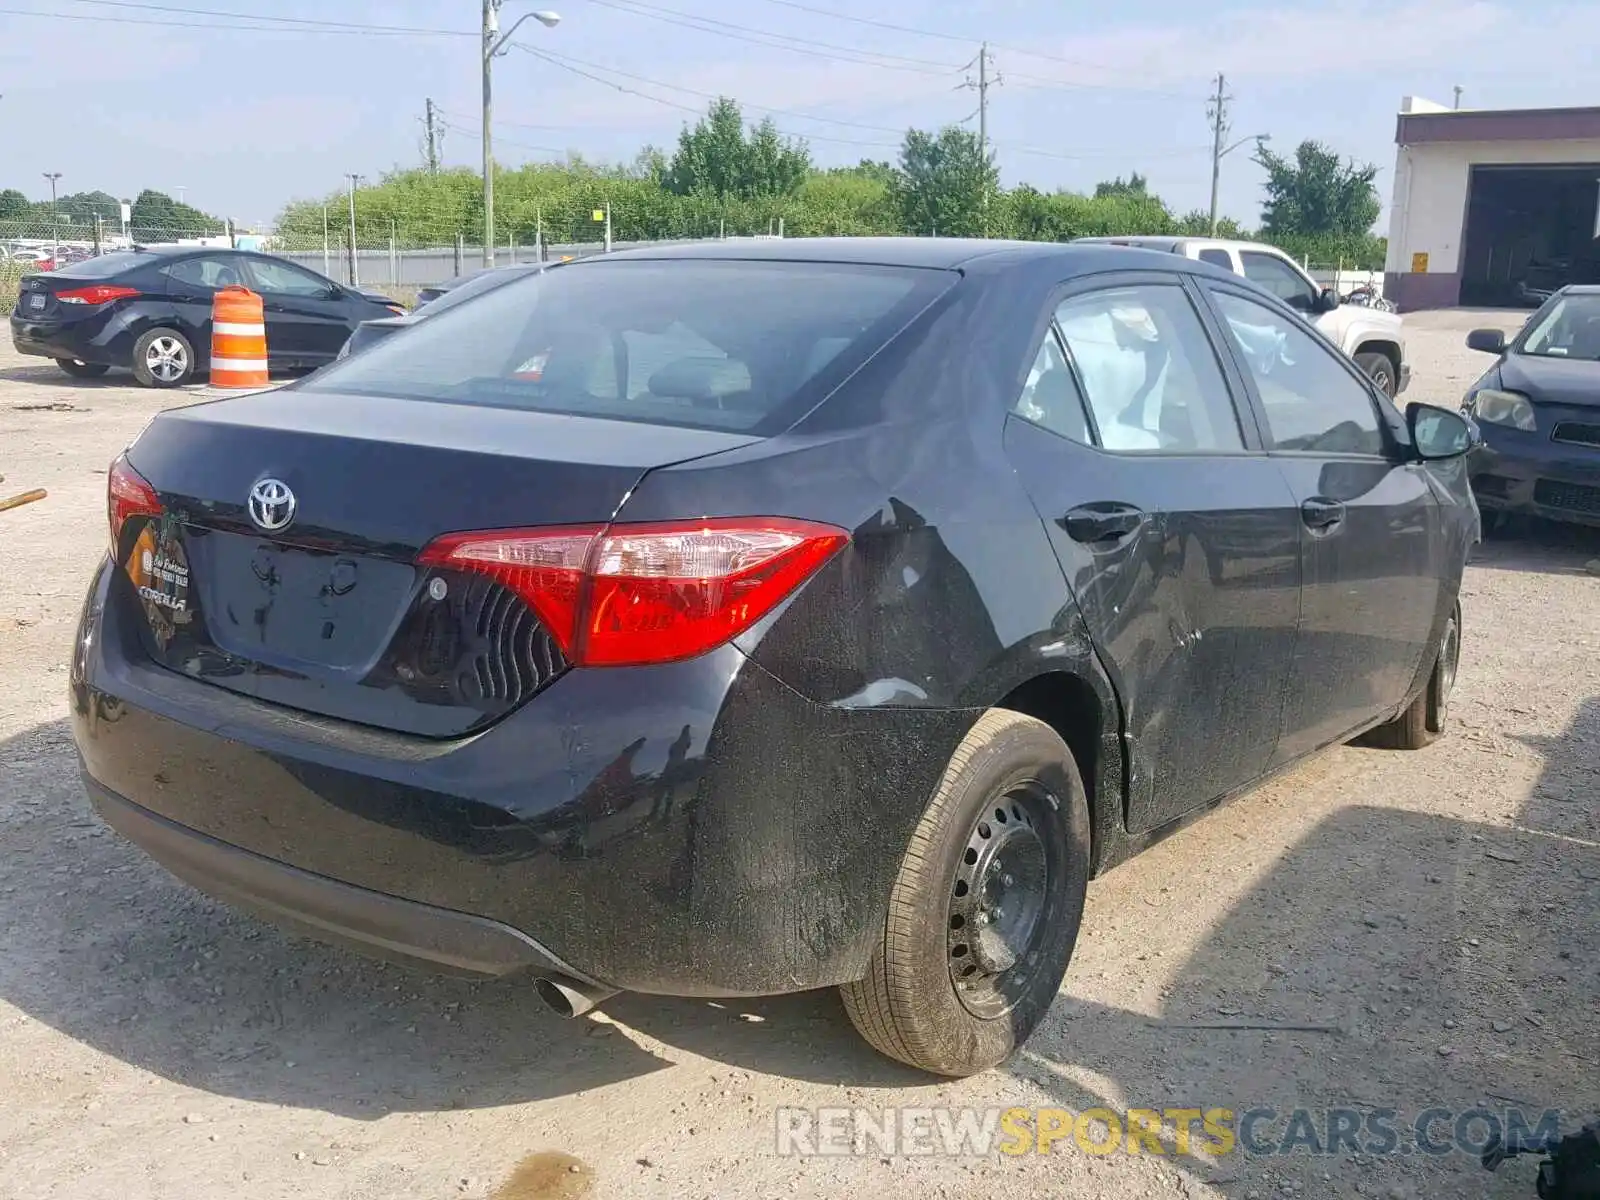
(721, 621)
(150, 310)
(1539, 410)
(444, 298)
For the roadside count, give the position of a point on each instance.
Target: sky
(120, 96)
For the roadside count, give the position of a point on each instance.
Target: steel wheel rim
(999, 900)
(166, 359)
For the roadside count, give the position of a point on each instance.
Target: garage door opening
(1530, 230)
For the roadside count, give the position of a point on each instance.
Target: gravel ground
(1428, 918)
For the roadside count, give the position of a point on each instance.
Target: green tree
(944, 183)
(1135, 185)
(14, 205)
(714, 157)
(157, 215)
(1197, 223)
(1316, 194)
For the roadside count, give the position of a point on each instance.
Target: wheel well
(1390, 350)
(1069, 706)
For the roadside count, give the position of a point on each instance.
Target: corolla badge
(271, 505)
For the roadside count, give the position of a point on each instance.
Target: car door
(1369, 531)
(192, 285)
(307, 318)
(1178, 536)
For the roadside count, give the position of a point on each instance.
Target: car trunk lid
(284, 562)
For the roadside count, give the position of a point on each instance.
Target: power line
(673, 87)
(956, 37)
(782, 41)
(546, 56)
(568, 62)
(259, 24)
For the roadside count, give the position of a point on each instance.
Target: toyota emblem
(271, 505)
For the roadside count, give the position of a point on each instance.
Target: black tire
(80, 369)
(1382, 371)
(1425, 718)
(1011, 777)
(163, 358)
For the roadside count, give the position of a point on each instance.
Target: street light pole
(55, 217)
(355, 276)
(494, 43)
(1220, 153)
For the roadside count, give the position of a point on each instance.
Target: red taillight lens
(627, 595)
(100, 293)
(128, 494)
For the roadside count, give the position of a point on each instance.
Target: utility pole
(433, 140)
(491, 26)
(355, 276)
(55, 217)
(494, 43)
(981, 85)
(1218, 112)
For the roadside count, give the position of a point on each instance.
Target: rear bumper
(101, 338)
(379, 925)
(1528, 473)
(691, 829)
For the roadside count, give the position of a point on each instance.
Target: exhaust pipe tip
(569, 998)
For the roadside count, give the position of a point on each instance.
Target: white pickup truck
(1373, 338)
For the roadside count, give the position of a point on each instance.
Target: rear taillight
(99, 293)
(128, 494)
(627, 595)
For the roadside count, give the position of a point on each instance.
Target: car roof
(1581, 289)
(939, 253)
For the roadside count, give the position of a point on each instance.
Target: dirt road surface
(1430, 918)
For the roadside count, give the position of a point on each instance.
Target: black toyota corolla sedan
(1539, 409)
(722, 621)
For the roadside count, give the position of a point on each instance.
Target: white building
(1492, 207)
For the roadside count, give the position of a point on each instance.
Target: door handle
(1321, 515)
(1094, 523)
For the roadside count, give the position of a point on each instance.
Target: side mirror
(1490, 341)
(1327, 301)
(1438, 433)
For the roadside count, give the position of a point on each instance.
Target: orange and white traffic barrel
(238, 339)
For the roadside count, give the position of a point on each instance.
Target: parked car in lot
(1373, 338)
(457, 292)
(728, 620)
(150, 310)
(1539, 409)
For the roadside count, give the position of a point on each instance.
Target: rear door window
(1217, 258)
(1149, 372)
(743, 346)
(207, 272)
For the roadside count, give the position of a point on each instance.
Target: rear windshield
(105, 265)
(733, 345)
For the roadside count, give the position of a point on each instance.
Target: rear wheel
(81, 369)
(163, 358)
(1424, 720)
(986, 907)
(1381, 370)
